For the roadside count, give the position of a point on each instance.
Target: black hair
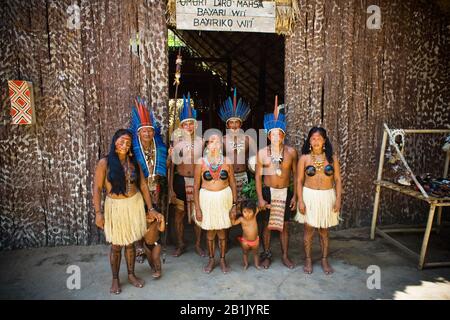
(213, 132)
(248, 204)
(116, 174)
(306, 149)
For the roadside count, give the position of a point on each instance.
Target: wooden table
(434, 203)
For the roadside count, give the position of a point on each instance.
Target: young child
(152, 244)
(250, 239)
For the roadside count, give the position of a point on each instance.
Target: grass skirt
(125, 220)
(216, 206)
(319, 208)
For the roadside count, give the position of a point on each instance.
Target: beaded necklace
(318, 163)
(214, 169)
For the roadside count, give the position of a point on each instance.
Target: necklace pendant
(278, 172)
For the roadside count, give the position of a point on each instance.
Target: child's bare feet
(224, 266)
(210, 266)
(308, 268)
(135, 281)
(256, 261)
(245, 262)
(115, 287)
(157, 271)
(327, 269)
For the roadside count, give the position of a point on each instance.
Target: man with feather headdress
(275, 165)
(151, 153)
(186, 152)
(237, 145)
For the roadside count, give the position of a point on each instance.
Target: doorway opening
(214, 63)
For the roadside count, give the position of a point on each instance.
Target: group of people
(205, 181)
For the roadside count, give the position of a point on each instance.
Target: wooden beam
(426, 130)
(426, 237)
(436, 264)
(378, 188)
(396, 243)
(207, 59)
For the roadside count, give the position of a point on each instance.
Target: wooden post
(439, 215)
(426, 237)
(378, 187)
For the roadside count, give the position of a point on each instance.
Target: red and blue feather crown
(141, 117)
(234, 110)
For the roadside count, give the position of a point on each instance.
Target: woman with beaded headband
(319, 190)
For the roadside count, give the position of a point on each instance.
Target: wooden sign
(226, 15)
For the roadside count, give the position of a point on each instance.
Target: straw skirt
(216, 206)
(125, 220)
(319, 208)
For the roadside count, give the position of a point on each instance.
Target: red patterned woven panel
(22, 104)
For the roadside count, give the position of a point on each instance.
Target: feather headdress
(187, 112)
(234, 110)
(275, 120)
(141, 117)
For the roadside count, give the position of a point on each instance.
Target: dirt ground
(41, 273)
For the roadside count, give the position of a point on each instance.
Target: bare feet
(224, 266)
(179, 251)
(115, 287)
(135, 281)
(157, 272)
(327, 269)
(288, 263)
(256, 260)
(308, 268)
(200, 251)
(210, 266)
(266, 263)
(245, 261)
